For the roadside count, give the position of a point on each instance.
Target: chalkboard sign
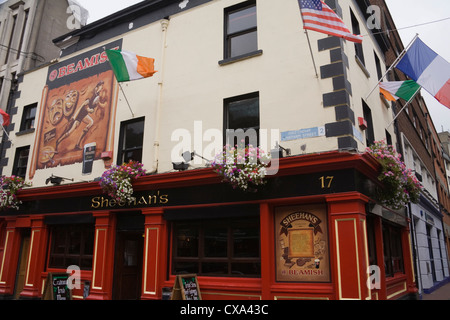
(56, 287)
(186, 288)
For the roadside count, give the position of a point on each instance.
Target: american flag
(319, 17)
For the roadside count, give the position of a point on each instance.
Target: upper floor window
(242, 119)
(370, 135)
(358, 46)
(241, 29)
(21, 162)
(131, 141)
(28, 117)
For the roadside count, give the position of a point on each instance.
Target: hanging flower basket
(10, 186)
(117, 181)
(400, 185)
(245, 168)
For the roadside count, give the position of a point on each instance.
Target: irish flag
(394, 90)
(128, 66)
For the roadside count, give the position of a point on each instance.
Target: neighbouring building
(445, 141)
(419, 144)
(314, 231)
(27, 28)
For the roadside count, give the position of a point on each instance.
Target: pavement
(443, 293)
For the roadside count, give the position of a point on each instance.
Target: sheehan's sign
(302, 244)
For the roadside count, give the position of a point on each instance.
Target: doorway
(128, 265)
(23, 263)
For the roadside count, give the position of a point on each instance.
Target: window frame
(229, 36)
(87, 233)
(226, 117)
(122, 149)
(28, 122)
(393, 250)
(201, 226)
(17, 158)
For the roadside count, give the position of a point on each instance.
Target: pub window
(371, 240)
(28, 117)
(131, 141)
(219, 247)
(71, 245)
(393, 253)
(242, 113)
(358, 46)
(241, 30)
(21, 162)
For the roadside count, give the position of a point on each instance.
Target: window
(371, 240)
(240, 30)
(358, 46)
(378, 66)
(241, 119)
(8, 51)
(72, 245)
(218, 247)
(21, 162)
(131, 141)
(370, 135)
(19, 51)
(28, 117)
(393, 253)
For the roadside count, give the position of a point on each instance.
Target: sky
(405, 16)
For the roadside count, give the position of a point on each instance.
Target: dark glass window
(72, 245)
(241, 29)
(393, 253)
(219, 247)
(21, 162)
(370, 134)
(28, 117)
(358, 46)
(131, 141)
(242, 113)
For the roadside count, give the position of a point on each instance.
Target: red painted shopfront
(309, 234)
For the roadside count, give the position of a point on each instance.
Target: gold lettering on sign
(147, 200)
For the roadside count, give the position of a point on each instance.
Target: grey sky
(405, 14)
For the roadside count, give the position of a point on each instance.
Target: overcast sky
(406, 13)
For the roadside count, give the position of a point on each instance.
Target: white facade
(189, 90)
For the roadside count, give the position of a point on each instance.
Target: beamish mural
(77, 111)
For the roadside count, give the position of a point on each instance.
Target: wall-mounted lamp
(278, 150)
(187, 157)
(56, 180)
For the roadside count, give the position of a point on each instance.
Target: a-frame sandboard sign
(186, 288)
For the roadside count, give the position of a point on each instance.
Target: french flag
(428, 69)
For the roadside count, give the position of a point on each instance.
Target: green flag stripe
(407, 90)
(118, 65)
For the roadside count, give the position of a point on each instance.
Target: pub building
(314, 231)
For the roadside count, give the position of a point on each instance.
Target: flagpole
(394, 64)
(9, 139)
(309, 44)
(120, 85)
(312, 56)
(415, 94)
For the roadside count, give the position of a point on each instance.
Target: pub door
(23, 262)
(128, 265)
